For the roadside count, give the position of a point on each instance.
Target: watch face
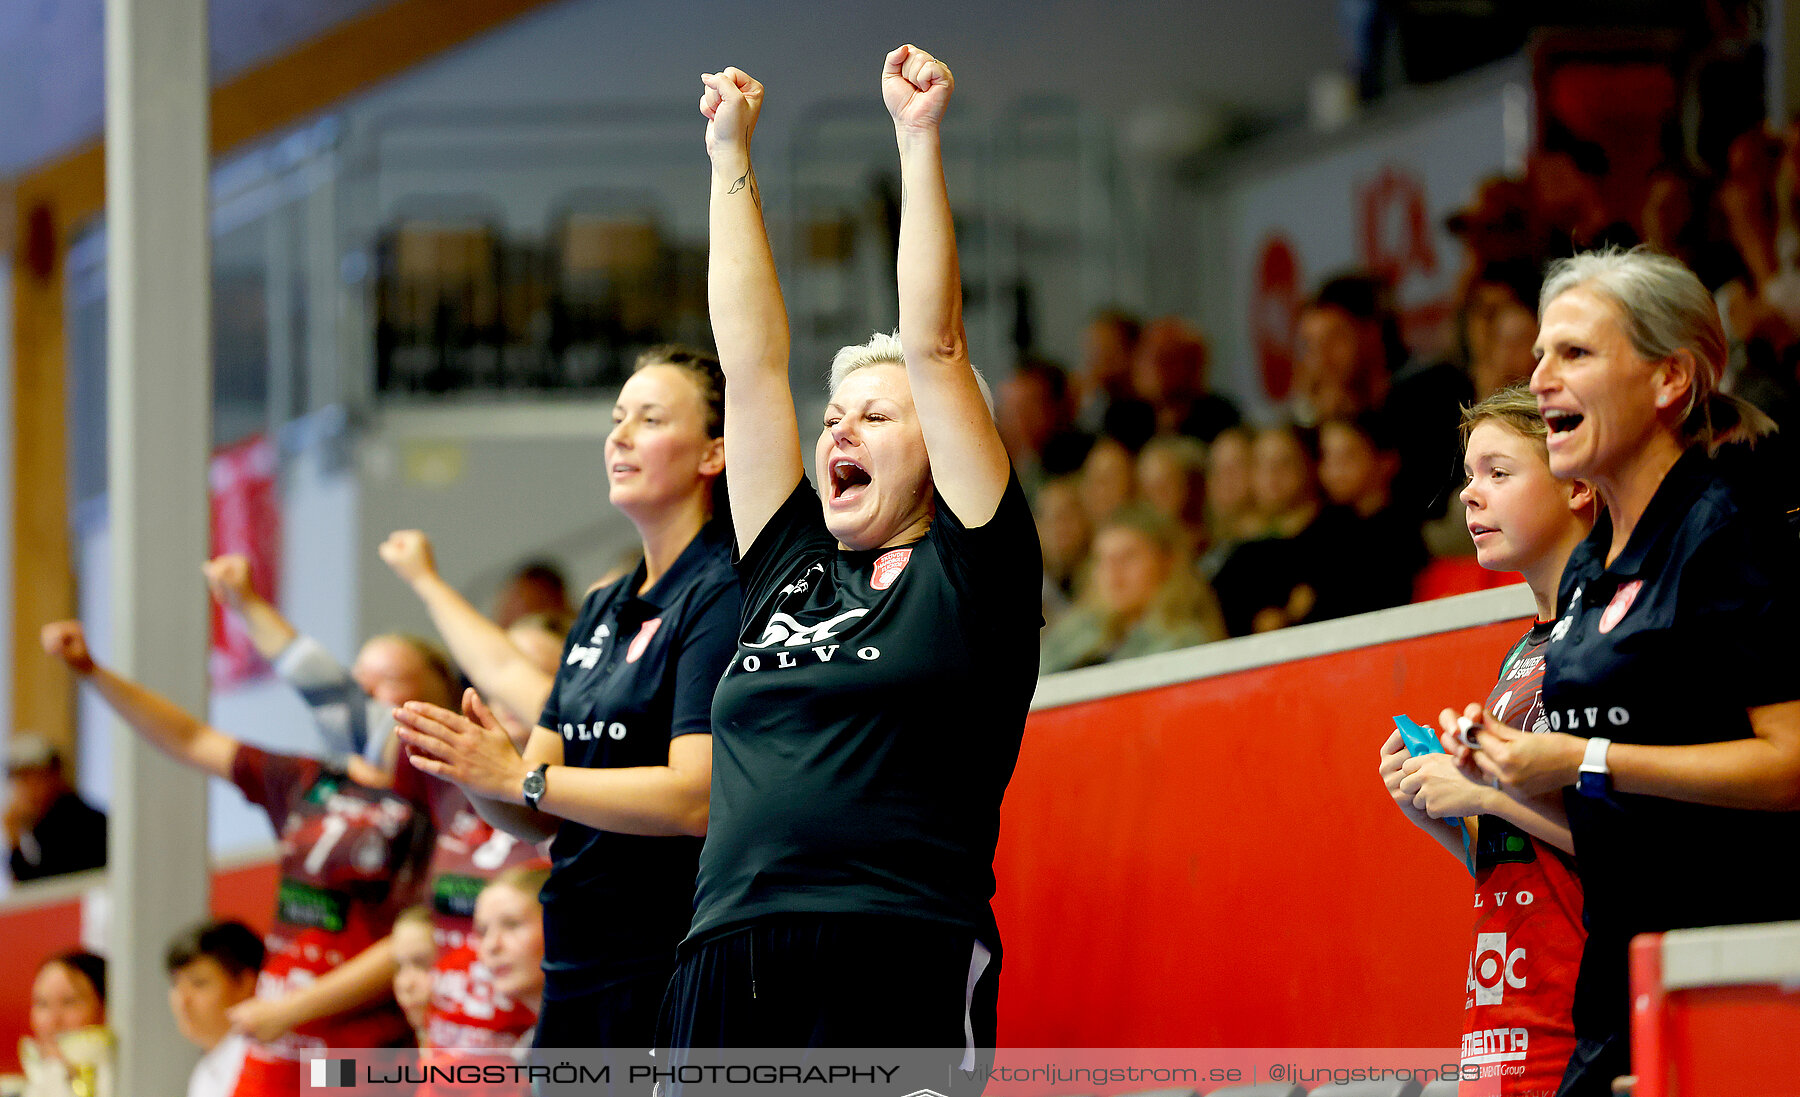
(1589, 783)
(534, 783)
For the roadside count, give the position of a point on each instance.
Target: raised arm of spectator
(749, 319)
(480, 647)
(159, 720)
(365, 977)
(969, 466)
(228, 580)
(340, 707)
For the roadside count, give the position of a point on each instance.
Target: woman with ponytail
(1670, 690)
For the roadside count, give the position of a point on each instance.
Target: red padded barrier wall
(1216, 863)
(30, 934)
(1210, 864)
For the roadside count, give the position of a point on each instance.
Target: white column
(159, 434)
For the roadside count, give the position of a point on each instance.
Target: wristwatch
(1594, 778)
(534, 786)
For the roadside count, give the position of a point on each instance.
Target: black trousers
(619, 1018)
(834, 981)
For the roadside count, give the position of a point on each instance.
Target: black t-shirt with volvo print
(1692, 624)
(637, 671)
(870, 721)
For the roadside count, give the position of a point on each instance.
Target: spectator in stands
(1570, 208)
(1347, 348)
(354, 855)
(415, 965)
(1231, 517)
(1379, 551)
(1141, 596)
(1268, 582)
(1497, 315)
(1108, 478)
(1109, 346)
(1671, 694)
(1064, 532)
(1169, 372)
(70, 1052)
(538, 586)
(1037, 422)
(1171, 477)
(1284, 482)
(1525, 520)
(213, 967)
(50, 829)
(1497, 227)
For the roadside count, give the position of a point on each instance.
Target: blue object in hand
(1418, 741)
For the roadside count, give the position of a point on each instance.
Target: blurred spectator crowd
(1169, 519)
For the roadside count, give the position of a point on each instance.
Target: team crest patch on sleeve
(1620, 605)
(889, 567)
(642, 639)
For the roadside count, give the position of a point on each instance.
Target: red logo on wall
(889, 567)
(1394, 227)
(1273, 312)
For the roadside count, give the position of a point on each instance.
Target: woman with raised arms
(870, 720)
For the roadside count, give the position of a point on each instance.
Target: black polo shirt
(870, 721)
(1693, 624)
(637, 671)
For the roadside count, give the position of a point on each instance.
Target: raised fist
(916, 88)
(228, 579)
(408, 552)
(731, 102)
(66, 640)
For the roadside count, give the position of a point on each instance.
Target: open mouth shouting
(1561, 422)
(849, 481)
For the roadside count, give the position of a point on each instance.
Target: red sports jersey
(351, 859)
(465, 1011)
(1528, 935)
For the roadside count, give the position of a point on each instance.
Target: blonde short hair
(884, 348)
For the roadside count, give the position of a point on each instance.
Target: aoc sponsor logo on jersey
(1492, 969)
(1587, 718)
(585, 732)
(889, 567)
(1620, 605)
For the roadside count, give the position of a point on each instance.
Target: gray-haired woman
(1671, 690)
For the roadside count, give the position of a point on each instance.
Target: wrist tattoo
(747, 179)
